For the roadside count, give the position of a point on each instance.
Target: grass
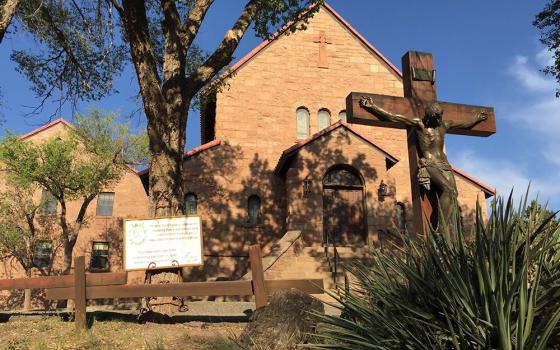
(51, 333)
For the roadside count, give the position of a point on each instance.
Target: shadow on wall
(224, 177)
(222, 187)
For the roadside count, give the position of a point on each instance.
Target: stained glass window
(105, 204)
(302, 120)
(323, 119)
(190, 204)
(100, 256)
(341, 177)
(254, 210)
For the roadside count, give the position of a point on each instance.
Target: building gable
(340, 127)
(285, 67)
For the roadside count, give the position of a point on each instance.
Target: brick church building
(280, 166)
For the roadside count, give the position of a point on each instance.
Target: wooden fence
(81, 286)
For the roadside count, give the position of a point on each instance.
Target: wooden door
(343, 216)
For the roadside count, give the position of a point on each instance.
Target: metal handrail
(334, 266)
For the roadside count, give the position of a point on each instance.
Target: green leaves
(90, 157)
(80, 52)
(295, 13)
(498, 292)
(73, 165)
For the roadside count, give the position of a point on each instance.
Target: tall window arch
(342, 115)
(254, 210)
(323, 119)
(302, 123)
(342, 176)
(191, 203)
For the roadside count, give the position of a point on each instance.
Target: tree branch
(81, 216)
(61, 38)
(136, 25)
(224, 53)
(174, 51)
(6, 14)
(194, 20)
(116, 5)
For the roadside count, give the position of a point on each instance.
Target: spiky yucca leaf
(500, 291)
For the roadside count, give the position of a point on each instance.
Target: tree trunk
(27, 293)
(67, 259)
(66, 267)
(166, 199)
(7, 10)
(166, 134)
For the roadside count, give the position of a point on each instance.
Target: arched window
(342, 177)
(191, 203)
(342, 116)
(254, 210)
(401, 216)
(302, 123)
(323, 119)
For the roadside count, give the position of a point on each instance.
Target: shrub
(499, 291)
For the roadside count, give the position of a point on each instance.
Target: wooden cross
(322, 40)
(419, 91)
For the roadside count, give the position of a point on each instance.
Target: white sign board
(161, 243)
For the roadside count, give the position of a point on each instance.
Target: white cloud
(506, 175)
(545, 58)
(540, 112)
(530, 76)
(535, 115)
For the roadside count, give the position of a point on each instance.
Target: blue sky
(486, 53)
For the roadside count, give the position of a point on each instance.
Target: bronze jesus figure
(434, 166)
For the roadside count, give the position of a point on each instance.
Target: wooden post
(80, 292)
(259, 286)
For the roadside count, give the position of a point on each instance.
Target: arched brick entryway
(343, 207)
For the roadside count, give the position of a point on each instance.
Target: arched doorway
(343, 207)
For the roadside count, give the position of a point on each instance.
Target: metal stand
(149, 302)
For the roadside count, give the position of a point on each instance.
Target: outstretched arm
(367, 103)
(479, 117)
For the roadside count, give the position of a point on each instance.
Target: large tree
(548, 22)
(75, 167)
(171, 69)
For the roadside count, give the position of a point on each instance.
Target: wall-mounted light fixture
(306, 187)
(382, 191)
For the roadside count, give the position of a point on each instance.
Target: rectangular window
(100, 256)
(105, 204)
(48, 203)
(43, 253)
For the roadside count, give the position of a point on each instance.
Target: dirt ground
(54, 333)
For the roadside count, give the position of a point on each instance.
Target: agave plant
(501, 290)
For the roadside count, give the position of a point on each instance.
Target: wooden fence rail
(82, 286)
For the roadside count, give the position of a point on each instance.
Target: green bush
(498, 291)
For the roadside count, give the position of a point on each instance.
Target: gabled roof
(47, 126)
(488, 191)
(289, 152)
(189, 153)
(56, 122)
(347, 25)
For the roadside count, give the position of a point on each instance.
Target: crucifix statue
(427, 122)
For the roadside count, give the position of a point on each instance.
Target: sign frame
(147, 268)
